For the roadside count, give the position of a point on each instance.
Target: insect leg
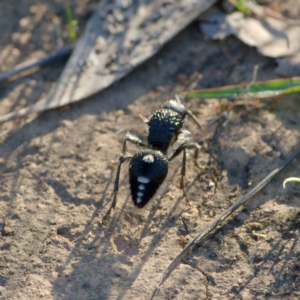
(183, 149)
(133, 139)
(196, 147)
(122, 159)
(193, 146)
(182, 173)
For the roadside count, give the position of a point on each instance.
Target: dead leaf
(119, 37)
(273, 37)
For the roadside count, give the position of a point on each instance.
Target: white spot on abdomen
(143, 179)
(138, 200)
(140, 194)
(149, 158)
(141, 187)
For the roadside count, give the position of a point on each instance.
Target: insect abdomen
(147, 171)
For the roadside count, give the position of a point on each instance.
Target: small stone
(24, 22)
(211, 213)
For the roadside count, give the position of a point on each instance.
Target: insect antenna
(189, 113)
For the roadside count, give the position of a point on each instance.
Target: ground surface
(57, 171)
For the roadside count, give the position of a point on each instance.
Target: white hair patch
(172, 104)
(141, 187)
(138, 200)
(140, 194)
(149, 158)
(143, 179)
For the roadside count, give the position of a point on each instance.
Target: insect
(148, 167)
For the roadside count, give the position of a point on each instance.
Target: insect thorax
(164, 127)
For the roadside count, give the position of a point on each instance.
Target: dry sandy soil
(57, 172)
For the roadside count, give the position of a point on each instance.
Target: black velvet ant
(148, 167)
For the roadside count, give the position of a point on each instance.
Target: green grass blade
(72, 24)
(240, 5)
(262, 89)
